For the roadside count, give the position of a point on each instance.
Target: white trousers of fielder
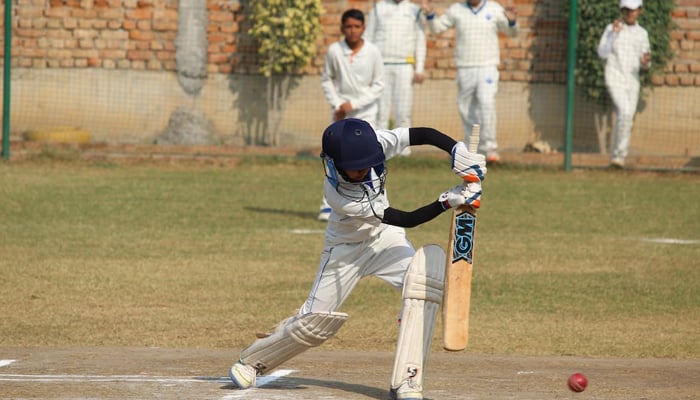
(397, 97)
(625, 99)
(476, 101)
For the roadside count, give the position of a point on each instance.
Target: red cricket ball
(578, 382)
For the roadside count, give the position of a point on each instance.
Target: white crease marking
(260, 382)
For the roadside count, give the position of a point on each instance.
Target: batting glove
(469, 166)
(459, 195)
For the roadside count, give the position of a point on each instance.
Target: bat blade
(458, 283)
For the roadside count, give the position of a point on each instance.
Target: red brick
(218, 58)
(672, 80)
(687, 80)
(140, 13)
(136, 55)
(141, 35)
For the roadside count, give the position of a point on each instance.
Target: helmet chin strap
(370, 205)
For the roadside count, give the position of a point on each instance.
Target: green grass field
(186, 255)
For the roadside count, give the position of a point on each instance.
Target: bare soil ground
(118, 373)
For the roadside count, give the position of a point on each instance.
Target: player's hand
(342, 111)
(469, 194)
(511, 13)
(645, 59)
(469, 166)
(426, 7)
(418, 78)
(617, 25)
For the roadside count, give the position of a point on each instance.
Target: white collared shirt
(352, 77)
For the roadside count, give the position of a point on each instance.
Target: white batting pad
(422, 296)
(294, 336)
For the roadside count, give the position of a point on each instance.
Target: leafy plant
(594, 16)
(286, 31)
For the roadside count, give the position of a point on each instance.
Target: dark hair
(353, 13)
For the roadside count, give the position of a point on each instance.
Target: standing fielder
(625, 48)
(477, 55)
(352, 72)
(395, 26)
(365, 236)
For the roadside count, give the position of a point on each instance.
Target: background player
(396, 27)
(477, 56)
(625, 48)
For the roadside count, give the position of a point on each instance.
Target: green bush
(286, 31)
(593, 17)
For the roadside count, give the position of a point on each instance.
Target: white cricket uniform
(357, 243)
(622, 52)
(397, 30)
(477, 56)
(357, 78)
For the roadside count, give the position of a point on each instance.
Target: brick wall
(139, 35)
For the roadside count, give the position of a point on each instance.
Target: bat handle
(473, 147)
(474, 138)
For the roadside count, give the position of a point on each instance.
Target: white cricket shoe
(243, 375)
(407, 391)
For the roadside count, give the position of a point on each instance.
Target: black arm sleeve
(432, 137)
(414, 218)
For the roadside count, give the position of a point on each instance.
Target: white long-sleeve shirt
(352, 77)
(477, 31)
(397, 30)
(622, 52)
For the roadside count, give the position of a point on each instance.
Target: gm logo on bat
(464, 237)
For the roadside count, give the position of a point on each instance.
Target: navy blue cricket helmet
(351, 144)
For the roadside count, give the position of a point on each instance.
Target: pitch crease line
(260, 381)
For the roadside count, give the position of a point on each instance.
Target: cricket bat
(458, 275)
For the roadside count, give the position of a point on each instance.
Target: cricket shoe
(493, 157)
(617, 163)
(407, 391)
(324, 214)
(243, 375)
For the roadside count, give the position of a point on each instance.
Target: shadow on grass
(298, 214)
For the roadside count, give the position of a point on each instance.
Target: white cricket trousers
(385, 256)
(625, 99)
(397, 96)
(476, 100)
